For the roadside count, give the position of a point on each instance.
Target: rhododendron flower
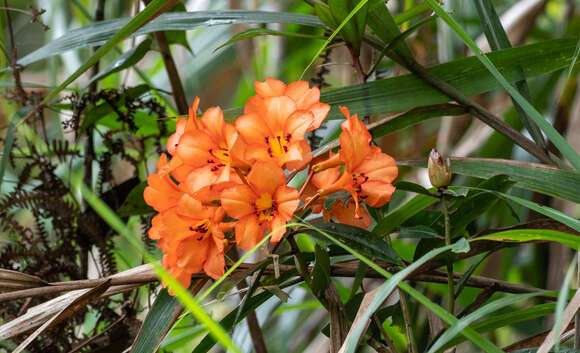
(264, 204)
(368, 173)
(191, 237)
(304, 97)
(207, 146)
(276, 120)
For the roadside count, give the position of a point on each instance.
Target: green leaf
(412, 187)
(323, 12)
(360, 239)
(567, 151)
(178, 37)
(562, 183)
(353, 30)
(157, 323)
(417, 232)
(386, 288)
(468, 75)
(151, 11)
(495, 305)
(526, 235)
(98, 33)
(321, 271)
(336, 31)
(498, 39)
(468, 332)
(545, 210)
(124, 61)
(503, 320)
(383, 24)
(412, 12)
(134, 204)
(477, 203)
(255, 32)
(403, 213)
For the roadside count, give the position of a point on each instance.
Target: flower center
(278, 145)
(357, 180)
(265, 207)
(222, 154)
(202, 227)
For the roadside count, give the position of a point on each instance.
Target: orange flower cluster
(226, 182)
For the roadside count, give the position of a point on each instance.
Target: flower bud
(439, 169)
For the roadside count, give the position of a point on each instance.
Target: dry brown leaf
(69, 310)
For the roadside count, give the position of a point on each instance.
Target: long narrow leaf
(495, 305)
(468, 332)
(557, 139)
(99, 33)
(498, 40)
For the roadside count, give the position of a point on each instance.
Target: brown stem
(172, 73)
(21, 95)
(478, 111)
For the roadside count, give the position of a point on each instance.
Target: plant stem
(451, 291)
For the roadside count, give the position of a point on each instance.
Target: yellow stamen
(278, 144)
(265, 207)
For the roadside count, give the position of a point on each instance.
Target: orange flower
(347, 214)
(276, 120)
(368, 173)
(207, 149)
(304, 97)
(161, 193)
(265, 203)
(191, 237)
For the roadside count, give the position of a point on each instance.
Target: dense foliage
(303, 176)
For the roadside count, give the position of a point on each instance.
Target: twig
(450, 290)
(411, 346)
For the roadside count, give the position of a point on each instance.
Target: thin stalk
(577, 318)
(450, 280)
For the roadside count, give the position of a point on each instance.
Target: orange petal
(190, 207)
(192, 253)
(181, 275)
(297, 124)
(319, 111)
(249, 232)
(193, 149)
(161, 193)
(304, 96)
(214, 123)
(237, 201)
(252, 128)
(156, 230)
(270, 88)
(266, 177)
(376, 193)
(198, 179)
(287, 199)
(277, 226)
(325, 178)
(214, 264)
(298, 155)
(378, 166)
(354, 140)
(347, 214)
(173, 140)
(275, 111)
(253, 104)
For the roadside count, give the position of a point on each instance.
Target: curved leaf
(525, 235)
(99, 32)
(360, 239)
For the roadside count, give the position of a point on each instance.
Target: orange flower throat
(222, 157)
(278, 145)
(264, 207)
(202, 228)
